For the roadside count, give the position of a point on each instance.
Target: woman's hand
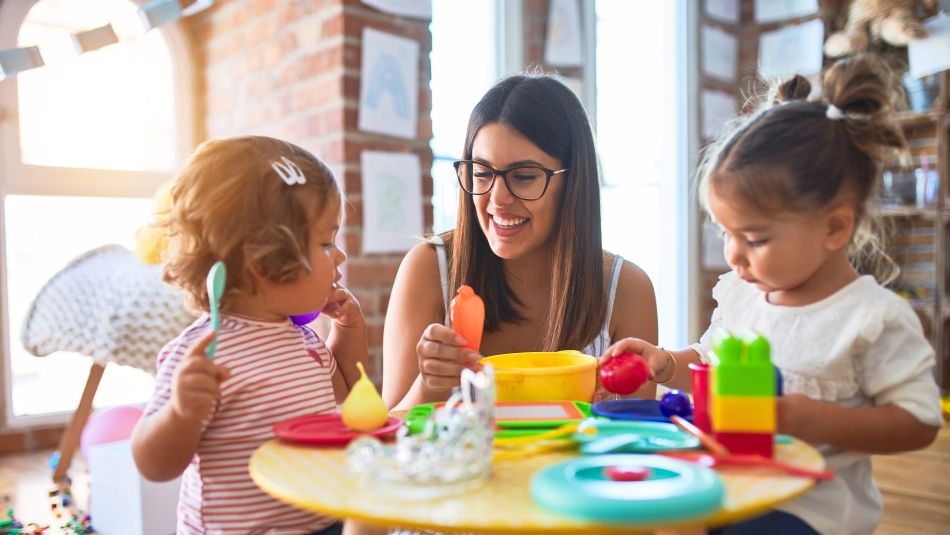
(343, 308)
(442, 357)
(196, 382)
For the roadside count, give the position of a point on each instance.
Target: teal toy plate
(514, 419)
(654, 436)
(673, 490)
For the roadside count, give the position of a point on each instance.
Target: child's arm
(895, 373)
(882, 429)
(347, 340)
(163, 443)
(669, 368)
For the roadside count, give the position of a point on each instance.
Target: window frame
(17, 178)
(678, 199)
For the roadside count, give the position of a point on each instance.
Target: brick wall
(290, 69)
(746, 84)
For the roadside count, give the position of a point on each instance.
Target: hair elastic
(288, 171)
(834, 113)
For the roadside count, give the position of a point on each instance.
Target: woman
(527, 240)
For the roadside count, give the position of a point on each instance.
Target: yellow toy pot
(544, 376)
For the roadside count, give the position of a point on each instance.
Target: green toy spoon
(217, 276)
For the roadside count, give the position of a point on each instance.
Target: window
(642, 141)
(91, 138)
(461, 73)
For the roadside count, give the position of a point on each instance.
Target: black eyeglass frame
(548, 173)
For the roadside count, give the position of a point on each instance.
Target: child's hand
(654, 356)
(795, 412)
(197, 382)
(344, 308)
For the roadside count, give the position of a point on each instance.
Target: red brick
(354, 210)
(374, 333)
(354, 243)
(367, 271)
(47, 437)
(333, 26)
(262, 31)
(13, 442)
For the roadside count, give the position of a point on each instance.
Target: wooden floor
(916, 488)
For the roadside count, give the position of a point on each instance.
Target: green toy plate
(515, 418)
(672, 491)
(654, 436)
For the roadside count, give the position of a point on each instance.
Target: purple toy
(676, 403)
(304, 319)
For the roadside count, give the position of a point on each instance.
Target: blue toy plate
(655, 436)
(674, 490)
(631, 409)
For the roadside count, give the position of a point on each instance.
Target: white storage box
(121, 501)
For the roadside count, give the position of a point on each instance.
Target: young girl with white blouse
(793, 187)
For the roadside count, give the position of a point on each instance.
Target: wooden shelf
(915, 118)
(929, 212)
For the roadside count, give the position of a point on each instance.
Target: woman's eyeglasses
(526, 182)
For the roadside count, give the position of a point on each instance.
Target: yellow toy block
(743, 414)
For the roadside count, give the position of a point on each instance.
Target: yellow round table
(316, 479)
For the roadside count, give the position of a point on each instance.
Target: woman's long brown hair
(546, 112)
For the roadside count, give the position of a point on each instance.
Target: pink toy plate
(327, 430)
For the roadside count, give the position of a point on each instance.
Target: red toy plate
(327, 430)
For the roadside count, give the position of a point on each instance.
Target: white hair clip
(288, 171)
(834, 113)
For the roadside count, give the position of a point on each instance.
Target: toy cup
(700, 381)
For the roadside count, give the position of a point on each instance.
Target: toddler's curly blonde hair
(229, 203)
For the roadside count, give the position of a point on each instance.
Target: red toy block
(748, 443)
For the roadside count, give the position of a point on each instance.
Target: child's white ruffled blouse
(862, 346)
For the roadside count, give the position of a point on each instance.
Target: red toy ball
(624, 374)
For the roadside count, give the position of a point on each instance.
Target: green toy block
(743, 366)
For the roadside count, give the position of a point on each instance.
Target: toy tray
(674, 491)
(327, 430)
(514, 418)
(631, 409)
(654, 436)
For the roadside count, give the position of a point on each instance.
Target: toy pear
(363, 409)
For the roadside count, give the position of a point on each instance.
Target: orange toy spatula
(467, 313)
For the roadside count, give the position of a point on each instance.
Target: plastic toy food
(468, 316)
(626, 473)
(363, 409)
(676, 403)
(304, 319)
(624, 374)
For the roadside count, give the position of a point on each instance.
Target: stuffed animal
(893, 21)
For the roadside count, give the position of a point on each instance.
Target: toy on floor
(467, 313)
(624, 374)
(742, 393)
(364, 409)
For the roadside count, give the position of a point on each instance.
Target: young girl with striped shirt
(271, 212)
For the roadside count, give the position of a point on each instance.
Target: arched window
(86, 140)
